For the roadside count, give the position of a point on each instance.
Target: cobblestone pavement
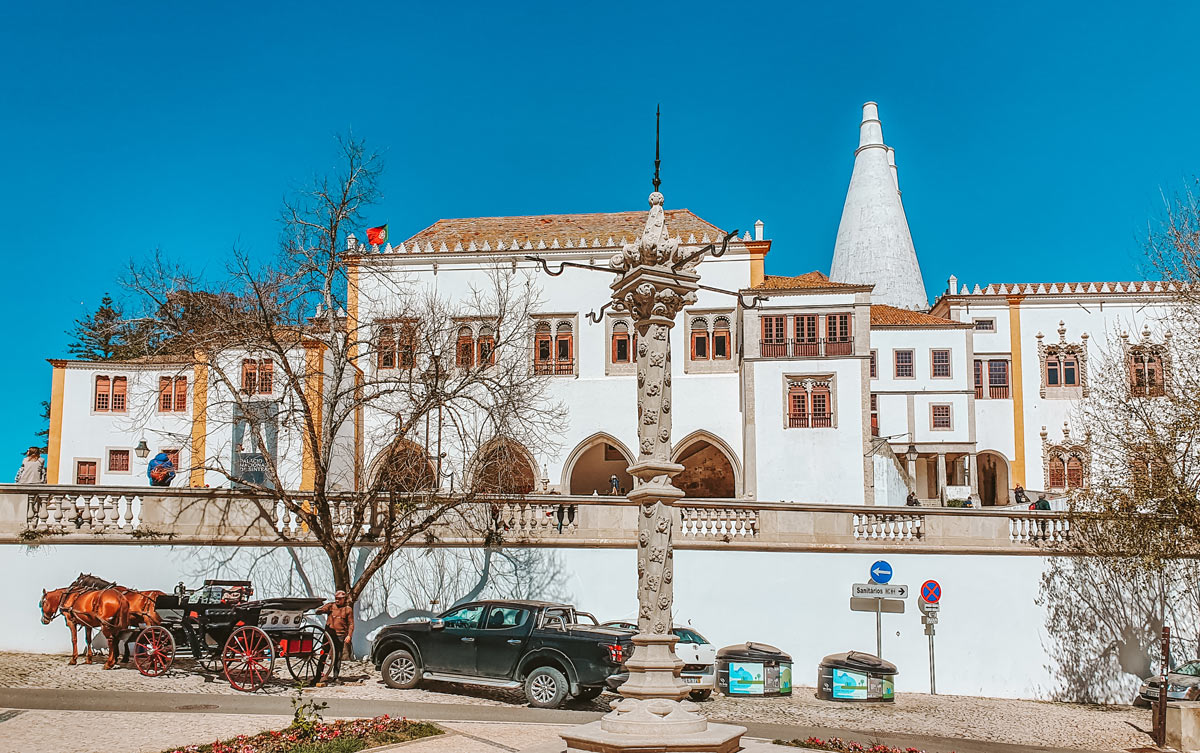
(1034, 723)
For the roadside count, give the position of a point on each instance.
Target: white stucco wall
(798, 602)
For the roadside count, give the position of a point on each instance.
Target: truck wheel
(700, 695)
(589, 694)
(400, 670)
(545, 688)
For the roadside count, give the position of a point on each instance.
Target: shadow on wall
(1104, 621)
(414, 583)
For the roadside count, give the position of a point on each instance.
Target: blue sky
(1033, 139)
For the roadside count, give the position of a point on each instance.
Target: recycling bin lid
(861, 662)
(751, 651)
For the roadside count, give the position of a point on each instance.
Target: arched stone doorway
(597, 459)
(993, 478)
(708, 468)
(503, 466)
(405, 469)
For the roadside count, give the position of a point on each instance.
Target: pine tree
(99, 336)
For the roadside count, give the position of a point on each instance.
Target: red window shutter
(721, 344)
(1074, 473)
(173, 456)
(466, 352)
(118, 460)
(165, 395)
(1057, 476)
(118, 394)
(564, 349)
(249, 377)
(180, 393)
(266, 377)
(85, 472)
(103, 393)
(487, 350)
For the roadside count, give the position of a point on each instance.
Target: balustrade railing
(805, 348)
(74, 514)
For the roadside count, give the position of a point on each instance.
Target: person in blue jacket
(160, 471)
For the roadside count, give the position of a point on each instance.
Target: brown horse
(106, 609)
(51, 606)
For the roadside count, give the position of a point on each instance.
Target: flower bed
(845, 746)
(321, 737)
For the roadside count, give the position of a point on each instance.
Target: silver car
(699, 659)
(1183, 684)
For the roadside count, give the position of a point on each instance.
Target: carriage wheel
(309, 654)
(153, 650)
(249, 657)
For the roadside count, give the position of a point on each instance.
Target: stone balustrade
(81, 514)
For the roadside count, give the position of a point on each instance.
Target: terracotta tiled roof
(593, 229)
(801, 282)
(890, 316)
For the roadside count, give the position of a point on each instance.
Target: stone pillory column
(653, 288)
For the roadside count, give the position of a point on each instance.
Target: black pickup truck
(551, 650)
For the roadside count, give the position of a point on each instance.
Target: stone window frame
(1064, 451)
(556, 322)
(108, 451)
(1147, 347)
(896, 363)
(807, 381)
(476, 325)
(710, 365)
(1057, 350)
(949, 363)
(612, 368)
(949, 415)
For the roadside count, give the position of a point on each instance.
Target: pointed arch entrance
(710, 469)
(594, 462)
(503, 466)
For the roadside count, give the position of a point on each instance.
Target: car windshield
(687, 635)
(1191, 668)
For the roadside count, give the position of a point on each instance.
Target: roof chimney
(952, 286)
(874, 245)
(758, 230)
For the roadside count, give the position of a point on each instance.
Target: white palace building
(817, 406)
(846, 388)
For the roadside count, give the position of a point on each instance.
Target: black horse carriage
(225, 630)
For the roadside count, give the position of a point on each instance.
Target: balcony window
(810, 405)
(978, 379)
(774, 337)
(837, 335)
(808, 342)
(998, 379)
(553, 349)
(904, 364)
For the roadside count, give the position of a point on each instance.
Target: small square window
(941, 416)
(904, 364)
(118, 461)
(985, 325)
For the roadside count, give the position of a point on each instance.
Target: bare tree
(1141, 421)
(299, 389)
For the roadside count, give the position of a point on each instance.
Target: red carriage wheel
(309, 654)
(248, 658)
(153, 650)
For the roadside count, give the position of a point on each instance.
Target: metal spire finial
(657, 161)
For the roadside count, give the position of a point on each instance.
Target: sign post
(887, 597)
(930, 603)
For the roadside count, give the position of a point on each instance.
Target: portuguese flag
(377, 236)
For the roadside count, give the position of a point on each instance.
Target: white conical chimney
(874, 245)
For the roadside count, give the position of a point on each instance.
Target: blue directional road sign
(931, 591)
(881, 572)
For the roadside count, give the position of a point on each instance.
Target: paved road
(200, 703)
